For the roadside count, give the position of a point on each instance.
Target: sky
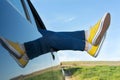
(71, 15)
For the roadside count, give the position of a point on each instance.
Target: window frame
(26, 10)
(37, 18)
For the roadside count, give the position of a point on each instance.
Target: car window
(17, 5)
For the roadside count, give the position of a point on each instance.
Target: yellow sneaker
(94, 50)
(96, 32)
(14, 48)
(16, 51)
(22, 62)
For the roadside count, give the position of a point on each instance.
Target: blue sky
(69, 15)
(72, 15)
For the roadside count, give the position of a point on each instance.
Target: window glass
(18, 5)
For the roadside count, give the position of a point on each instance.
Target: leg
(59, 41)
(65, 42)
(56, 41)
(37, 47)
(74, 34)
(94, 35)
(22, 53)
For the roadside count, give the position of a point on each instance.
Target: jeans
(56, 41)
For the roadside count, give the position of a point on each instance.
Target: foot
(22, 62)
(95, 34)
(14, 48)
(16, 51)
(94, 50)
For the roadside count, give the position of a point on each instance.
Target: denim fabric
(55, 40)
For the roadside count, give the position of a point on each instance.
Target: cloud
(74, 56)
(63, 19)
(69, 19)
(66, 55)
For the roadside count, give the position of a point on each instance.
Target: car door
(19, 21)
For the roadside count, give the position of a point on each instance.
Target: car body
(19, 22)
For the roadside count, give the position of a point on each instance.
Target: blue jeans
(56, 41)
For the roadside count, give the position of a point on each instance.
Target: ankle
(86, 34)
(22, 47)
(88, 46)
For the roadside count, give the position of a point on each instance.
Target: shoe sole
(100, 45)
(17, 60)
(104, 25)
(9, 48)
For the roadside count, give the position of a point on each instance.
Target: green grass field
(84, 70)
(85, 73)
(50, 75)
(96, 73)
(102, 71)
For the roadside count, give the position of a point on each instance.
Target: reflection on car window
(17, 5)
